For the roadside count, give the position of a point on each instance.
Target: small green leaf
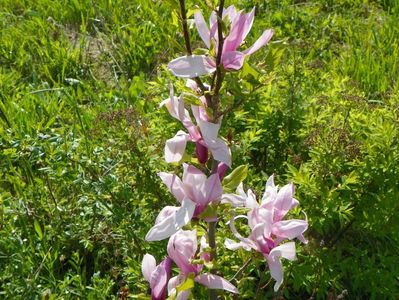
(238, 175)
(38, 229)
(188, 284)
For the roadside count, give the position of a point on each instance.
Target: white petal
(286, 250)
(261, 41)
(172, 223)
(216, 282)
(148, 265)
(202, 28)
(175, 147)
(232, 245)
(174, 185)
(192, 66)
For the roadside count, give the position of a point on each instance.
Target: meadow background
(82, 137)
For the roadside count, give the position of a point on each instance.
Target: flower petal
(217, 146)
(192, 66)
(166, 212)
(213, 188)
(174, 185)
(175, 147)
(216, 282)
(172, 223)
(260, 42)
(202, 28)
(240, 27)
(232, 245)
(233, 60)
(284, 201)
(290, 229)
(245, 241)
(159, 279)
(270, 191)
(173, 283)
(287, 251)
(182, 247)
(148, 265)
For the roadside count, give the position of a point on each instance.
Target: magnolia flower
(268, 229)
(182, 248)
(194, 192)
(157, 276)
(205, 134)
(231, 58)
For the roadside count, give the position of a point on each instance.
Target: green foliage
(81, 141)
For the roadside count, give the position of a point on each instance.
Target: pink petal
(276, 269)
(175, 147)
(216, 282)
(194, 182)
(284, 201)
(220, 151)
(159, 281)
(148, 265)
(209, 130)
(250, 200)
(233, 60)
(202, 28)
(172, 223)
(174, 185)
(232, 245)
(213, 188)
(192, 66)
(260, 42)
(258, 236)
(261, 216)
(222, 168)
(240, 27)
(231, 12)
(270, 191)
(286, 251)
(173, 283)
(166, 212)
(182, 247)
(201, 152)
(199, 113)
(213, 27)
(217, 146)
(245, 241)
(290, 229)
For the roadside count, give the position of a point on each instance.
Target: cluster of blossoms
(200, 188)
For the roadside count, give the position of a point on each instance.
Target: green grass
(81, 141)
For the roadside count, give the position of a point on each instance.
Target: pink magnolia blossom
(268, 229)
(231, 59)
(204, 134)
(182, 248)
(194, 192)
(157, 276)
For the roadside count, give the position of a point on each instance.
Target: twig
(239, 272)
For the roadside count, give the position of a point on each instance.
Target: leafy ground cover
(81, 139)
